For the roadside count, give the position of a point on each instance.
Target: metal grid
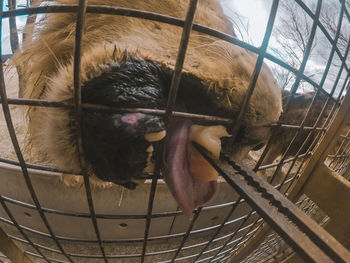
(274, 248)
(339, 160)
(219, 245)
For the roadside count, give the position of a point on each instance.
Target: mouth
(119, 147)
(190, 178)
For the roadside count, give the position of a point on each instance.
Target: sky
(251, 15)
(254, 15)
(20, 21)
(256, 18)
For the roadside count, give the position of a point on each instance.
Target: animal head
(128, 62)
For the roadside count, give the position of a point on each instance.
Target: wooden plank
(293, 258)
(9, 249)
(331, 192)
(340, 229)
(303, 234)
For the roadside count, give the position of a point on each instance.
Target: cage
(306, 158)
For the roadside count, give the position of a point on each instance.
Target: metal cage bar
(19, 153)
(231, 246)
(80, 21)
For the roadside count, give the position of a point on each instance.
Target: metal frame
(212, 250)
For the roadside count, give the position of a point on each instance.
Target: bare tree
(283, 76)
(240, 23)
(292, 34)
(329, 19)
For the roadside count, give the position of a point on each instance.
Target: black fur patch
(114, 143)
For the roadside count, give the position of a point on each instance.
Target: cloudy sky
(251, 17)
(255, 17)
(6, 49)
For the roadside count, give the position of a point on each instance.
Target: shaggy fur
(225, 69)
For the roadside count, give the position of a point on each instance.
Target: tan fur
(224, 68)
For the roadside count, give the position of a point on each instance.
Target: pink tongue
(189, 191)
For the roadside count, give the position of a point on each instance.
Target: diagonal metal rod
(310, 241)
(193, 221)
(233, 235)
(229, 214)
(21, 230)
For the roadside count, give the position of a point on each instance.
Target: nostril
(132, 118)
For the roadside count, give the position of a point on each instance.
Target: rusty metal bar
(308, 239)
(102, 108)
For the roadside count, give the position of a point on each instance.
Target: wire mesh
(234, 222)
(274, 248)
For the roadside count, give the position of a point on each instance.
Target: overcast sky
(250, 14)
(256, 18)
(254, 14)
(6, 48)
